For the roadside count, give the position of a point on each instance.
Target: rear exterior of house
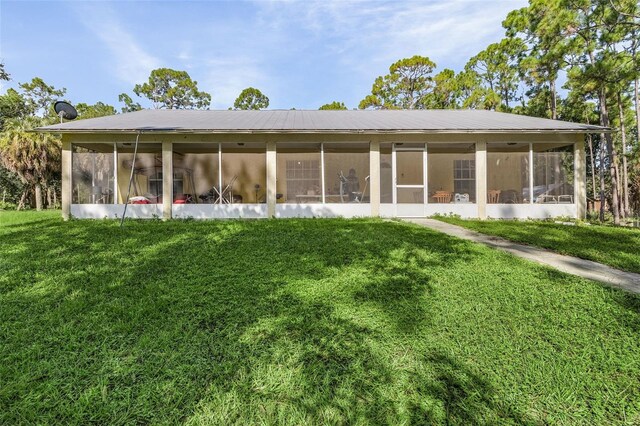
(259, 164)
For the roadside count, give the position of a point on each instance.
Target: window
(464, 179)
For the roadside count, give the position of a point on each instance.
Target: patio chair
(493, 196)
(442, 197)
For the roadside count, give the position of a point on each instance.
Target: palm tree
(33, 157)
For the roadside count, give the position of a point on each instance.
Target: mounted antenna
(65, 110)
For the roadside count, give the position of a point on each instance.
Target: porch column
(66, 178)
(115, 173)
(167, 179)
(481, 178)
(271, 179)
(374, 177)
(580, 177)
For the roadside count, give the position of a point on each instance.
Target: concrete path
(571, 265)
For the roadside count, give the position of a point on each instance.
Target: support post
(580, 177)
(115, 173)
(481, 178)
(531, 200)
(271, 179)
(66, 178)
(374, 177)
(167, 180)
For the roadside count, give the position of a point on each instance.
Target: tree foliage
(12, 105)
(335, 105)
(33, 157)
(129, 104)
(497, 67)
(99, 109)
(251, 98)
(171, 89)
(4, 75)
(408, 82)
(40, 96)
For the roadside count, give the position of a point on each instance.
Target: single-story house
(278, 163)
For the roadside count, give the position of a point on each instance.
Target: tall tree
(597, 66)
(251, 98)
(473, 94)
(33, 157)
(408, 82)
(542, 25)
(171, 89)
(497, 68)
(40, 96)
(333, 105)
(445, 92)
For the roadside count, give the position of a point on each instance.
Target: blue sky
(301, 54)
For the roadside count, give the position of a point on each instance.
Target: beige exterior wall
(505, 170)
(248, 170)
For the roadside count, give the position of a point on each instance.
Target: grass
(300, 322)
(613, 246)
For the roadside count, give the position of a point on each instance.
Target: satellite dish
(65, 110)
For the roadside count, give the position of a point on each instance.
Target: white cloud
(131, 62)
(366, 34)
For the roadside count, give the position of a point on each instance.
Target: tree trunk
(603, 199)
(38, 191)
(625, 174)
(619, 181)
(613, 158)
(554, 107)
(637, 107)
(55, 197)
(22, 200)
(49, 204)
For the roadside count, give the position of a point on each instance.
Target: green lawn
(615, 246)
(300, 322)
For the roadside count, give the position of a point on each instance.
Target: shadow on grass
(300, 321)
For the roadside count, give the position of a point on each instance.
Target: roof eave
(327, 131)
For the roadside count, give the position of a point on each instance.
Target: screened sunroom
(260, 164)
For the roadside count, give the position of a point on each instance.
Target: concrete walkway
(571, 265)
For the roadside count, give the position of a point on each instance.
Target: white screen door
(409, 171)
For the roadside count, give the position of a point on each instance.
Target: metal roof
(307, 121)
